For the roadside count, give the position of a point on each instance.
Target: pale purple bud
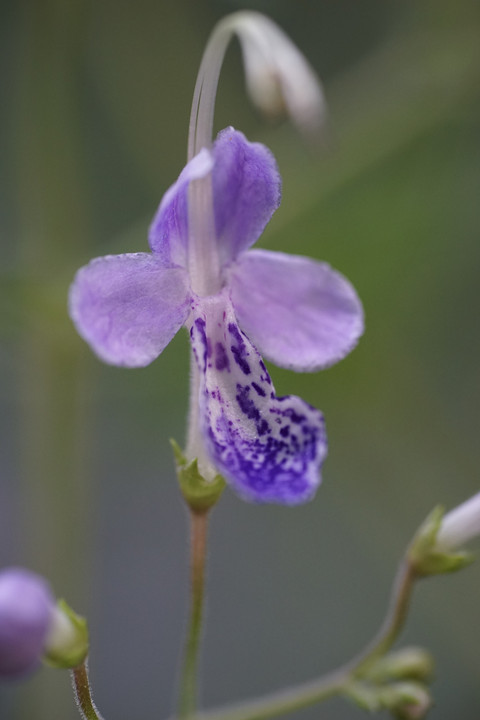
(26, 607)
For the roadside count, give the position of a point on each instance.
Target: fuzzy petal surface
(300, 314)
(128, 307)
(168, 234)
(269, 448)
(246, 191)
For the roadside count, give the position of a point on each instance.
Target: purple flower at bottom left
(27, 606)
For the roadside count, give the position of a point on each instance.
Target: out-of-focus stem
(198, 552)
(301, 696)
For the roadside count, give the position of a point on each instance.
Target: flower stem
(310, 693)
(198, 551)
(83, 694)
(394, 620)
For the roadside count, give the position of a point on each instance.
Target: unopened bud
(406, 700)
(460, 525)
(410, 663)
(426, 554)
(26, 606)
(66, 644)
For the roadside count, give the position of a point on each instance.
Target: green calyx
(425, 555)
(67, 641)
(200, 494)
(409, 663)
(407, 700)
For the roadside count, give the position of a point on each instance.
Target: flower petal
(246, 191)
(301, 314)
(129, 307)
(268, 448)
(168, 234)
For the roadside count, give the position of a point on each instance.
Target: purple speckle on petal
(221, 358)
(245, 403)
(260, 391)
(269, 449)
(239, 351)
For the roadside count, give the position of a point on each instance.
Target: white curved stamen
(278, 77)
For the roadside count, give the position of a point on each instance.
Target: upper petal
(246, 191)
(269, 449)
(301, 314)
(129, 307)
(168, 234)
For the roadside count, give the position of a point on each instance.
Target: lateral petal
(269, 448)
(301, 314)
(128, 307)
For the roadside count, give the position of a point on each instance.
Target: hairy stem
(198, 551)
(83, 693)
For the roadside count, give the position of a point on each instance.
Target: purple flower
(26, 608)
(298, 313)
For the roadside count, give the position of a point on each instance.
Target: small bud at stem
(460, 525)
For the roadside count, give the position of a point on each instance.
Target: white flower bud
(66, 644)
(460, 525)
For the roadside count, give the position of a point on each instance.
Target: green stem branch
(198, 551)
(310, 693)
(394, 621)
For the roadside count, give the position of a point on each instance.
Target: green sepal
(409, 663)
(71, 649)
(406, 700)
(426, 557)
(200, 494)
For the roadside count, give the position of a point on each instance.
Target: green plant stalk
(394, 621)
(83, 693)
(198, 551)
(337, 682)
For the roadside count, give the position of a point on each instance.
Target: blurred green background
(93, 125)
